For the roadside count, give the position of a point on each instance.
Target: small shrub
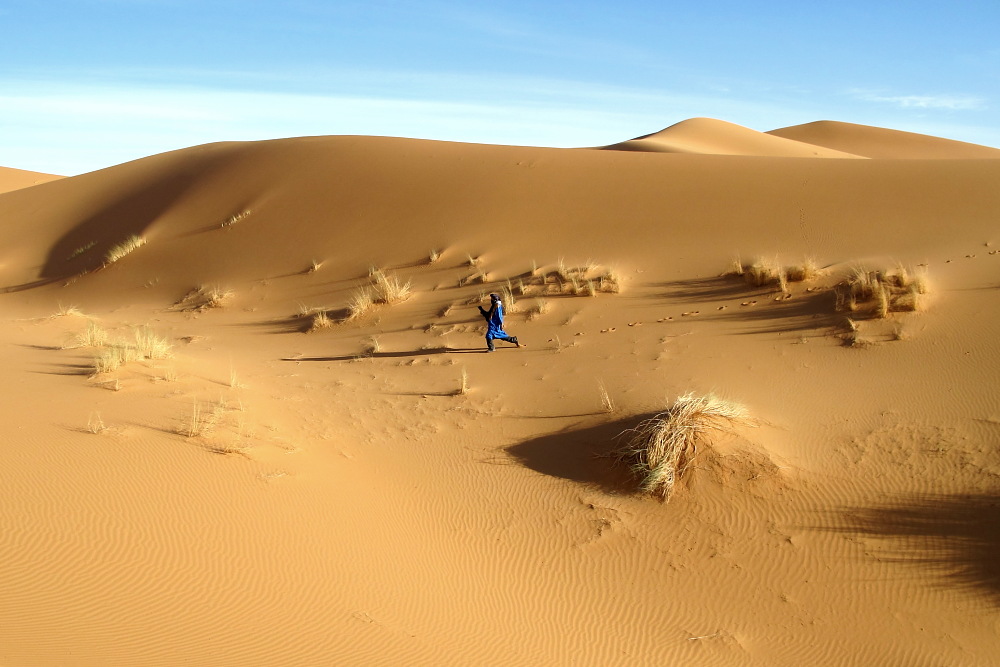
(93, 336)
(320, 320)
(606, 401)
(360, 303)
(388, 289)
(660, 449)
(124, 248)
(234, 218)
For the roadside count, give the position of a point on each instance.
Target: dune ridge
(708, 136)
(883, 143)
(377, 490)
(15, 179)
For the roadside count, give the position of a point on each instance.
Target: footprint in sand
(665, 319)
(721, 308)
(635, 324)
(609, 330)
(690, 314)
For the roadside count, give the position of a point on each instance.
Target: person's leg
(489, 342)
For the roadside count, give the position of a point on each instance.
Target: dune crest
(15, 179)
(708, 136)
(882, 143)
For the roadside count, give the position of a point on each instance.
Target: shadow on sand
(804, 311)
(581, 455)
(957, 537)
(395, 355)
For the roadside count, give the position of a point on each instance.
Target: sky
(87, 84)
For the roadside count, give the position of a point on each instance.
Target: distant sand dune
(708, 136)
(15, 179)
(877, 142)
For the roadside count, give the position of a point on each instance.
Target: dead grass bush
(881, 292)
(389, 289)
(660, 449)
(124, 248)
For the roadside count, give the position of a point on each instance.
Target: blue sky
(86, 84)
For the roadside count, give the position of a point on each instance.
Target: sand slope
(708, 136)
(267, 494)
(14, 179)
(877, 142)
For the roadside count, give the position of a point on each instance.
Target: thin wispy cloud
(945, 102)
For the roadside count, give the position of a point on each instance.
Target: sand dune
(14, 179)
(707, 136)
(877, 142)
(299, 480)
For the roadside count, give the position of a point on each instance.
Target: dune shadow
(84, 247)
(396, 355)
(804, 311)
(581, 455)
(707, 289)
(956, 537)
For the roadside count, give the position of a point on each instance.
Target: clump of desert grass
(587, 279)
(93, 336)
(205, 297)
(124, 248)
(540, 307)
(463, 386)
(878, 293)
(144, 344)
(767, 272)
(607, 402)
(388, 289)
(82, 249)
(68, 311)
(359, 303)
(95, 424)
(235, 218)
(661, 449)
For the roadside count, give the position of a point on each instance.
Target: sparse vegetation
(95, 424)
(541, 307)
(234, 218)
(388, 288)
(463, 387)
(82, 249)
(606, 401)
(361, 302)
(93, 336)
(660, 449)
(124, 248)
(881, 292)
(145, 344)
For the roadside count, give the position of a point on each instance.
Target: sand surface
(289, 485)
(15, 179)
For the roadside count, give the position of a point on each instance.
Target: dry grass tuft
(93, 336)
(235, 217)
(434, 256)
(463, 387)
(540, 308)
(361, 301)
(124, 248)
(145, 344)
(660, 449)
(882, 292)
(388, 288)
(320, 320)
(95, 424)
(606, 401)
(807, 270)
